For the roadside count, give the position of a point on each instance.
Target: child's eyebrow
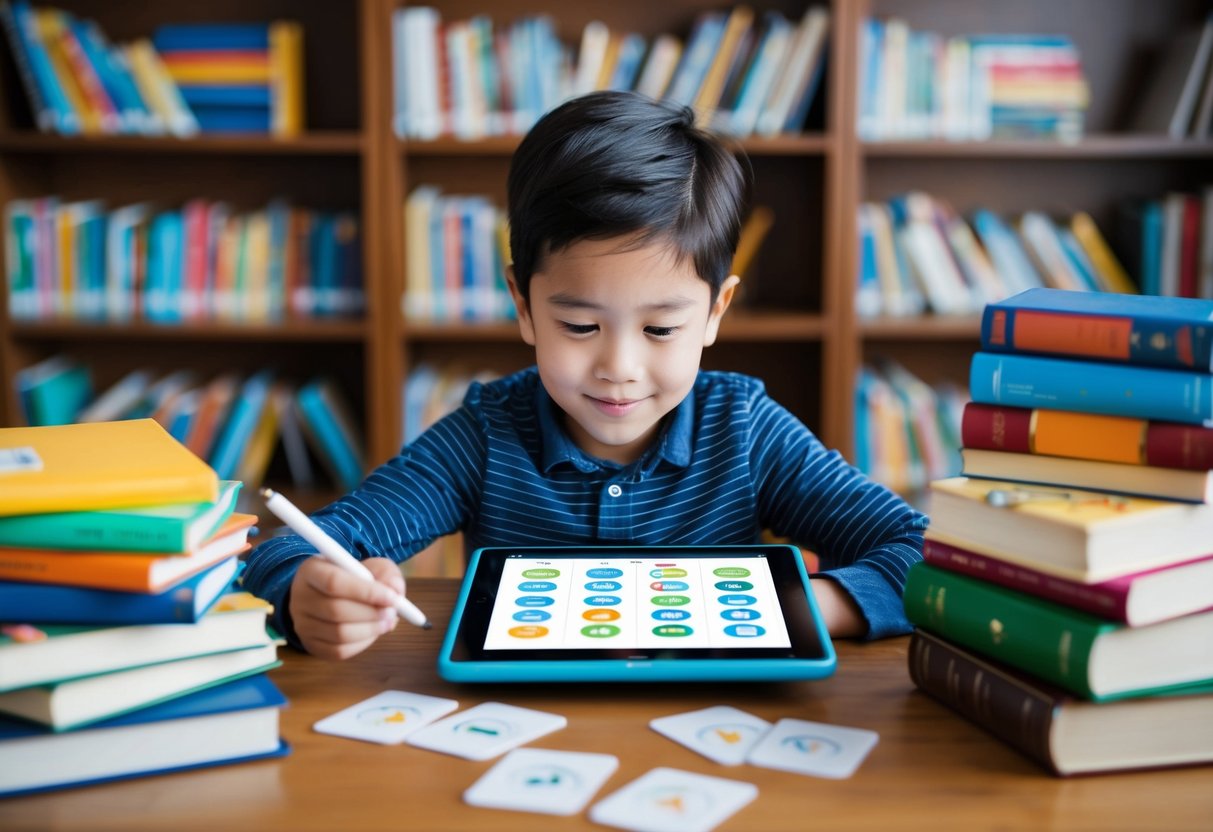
(567, 301)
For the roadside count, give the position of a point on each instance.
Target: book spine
(1092, 387)
(93, 530)
(1087, 436)
(1109, 601)
(1130, 339)
(55, 604)
(1025, 632)
(1017, 714)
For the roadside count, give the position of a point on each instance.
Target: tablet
(636, 613)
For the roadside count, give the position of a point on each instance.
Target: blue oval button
(671, 615)
(602, 600)
(536, 586)
(744, 630)
(603, 586)
(535, 601)
(740, 615)
(733, 586)
(604, 572)
(532, 616)
(738, 600)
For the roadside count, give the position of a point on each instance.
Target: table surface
(930, 770)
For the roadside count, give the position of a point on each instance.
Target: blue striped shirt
(728, 463)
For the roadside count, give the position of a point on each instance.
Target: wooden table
(931, 770)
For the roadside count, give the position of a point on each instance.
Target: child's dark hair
(618, 164)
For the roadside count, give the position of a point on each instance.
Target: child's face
(618, 335)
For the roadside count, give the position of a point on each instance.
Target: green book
(170, 528)
(1085, 655)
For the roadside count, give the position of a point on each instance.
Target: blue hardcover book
(225, 95)
(229, 447)
(166, 250)
(228, 723)
(67, 120)
(329, 426)
(232, 119)
(177, 37)
(44, 116)
(1152, 229)
(184, 603)
(1103, 326)
(1092, 387)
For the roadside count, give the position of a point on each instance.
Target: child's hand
(337, 615)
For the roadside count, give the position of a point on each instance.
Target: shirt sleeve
(865, 536)
(426, 491)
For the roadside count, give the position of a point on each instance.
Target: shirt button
(614, 490)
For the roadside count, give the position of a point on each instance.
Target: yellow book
(207, 72)
(286, 78)
(750, 240)
(98, 465)
(252, 466)
(739, 22)
(1115, 278)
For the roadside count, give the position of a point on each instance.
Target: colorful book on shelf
(182, 603)
(125, 571)
(326, 421)
(229, 723)
(1088, 656)
(54, 391)
(1113, 477)
(1087, 536)
(1107, 264)
(232, 441)
(70, 705)
(98, 465)
(1069, 433)
(1157, 393)
(44, 113)
(1136, 599)
(1064, 734)
(1131, 329)
(45, 653)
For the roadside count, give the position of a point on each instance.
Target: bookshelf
(795, 326)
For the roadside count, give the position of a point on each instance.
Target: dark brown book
(1065, 734)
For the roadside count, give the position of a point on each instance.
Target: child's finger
(332, 581)
(386, 572)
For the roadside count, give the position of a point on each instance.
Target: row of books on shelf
(185, 79)
(917, 84)
(204, 260)
(1178, 95)
(127, 647)
(1066, 594)
(457, 251)
(917, 253)
(743, 74)
(907, 432)
(239, 424)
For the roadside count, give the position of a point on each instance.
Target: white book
(659, 66)
(807, 45)
(931, 261)
(595, 38)
(1042, 244)
(761, 77)
(1172, 243)
(115, 402)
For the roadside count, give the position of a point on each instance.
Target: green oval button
(541, 573)
(600, 631)
(730, 572)
(671, 600)
(672, 630)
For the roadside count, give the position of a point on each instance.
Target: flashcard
(542, 780)
(813, 748)
(723, 734)
(670, 800)
(489, 729)
(386, 718)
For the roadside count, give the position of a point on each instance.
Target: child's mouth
(612, 407)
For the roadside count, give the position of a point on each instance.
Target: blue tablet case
(628, 670)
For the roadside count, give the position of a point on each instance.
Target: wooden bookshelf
(796, 324)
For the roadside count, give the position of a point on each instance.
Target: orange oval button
(600, 615)
(529, 631)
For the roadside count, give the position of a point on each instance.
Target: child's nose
(619, 360)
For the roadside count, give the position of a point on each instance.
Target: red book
(1189, 248)
(1087, 436)
(1140, 598)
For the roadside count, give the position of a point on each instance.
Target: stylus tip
(427, 626)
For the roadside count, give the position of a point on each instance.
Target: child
(623, 222)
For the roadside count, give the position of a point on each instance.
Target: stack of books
(1065, 599)
(124, 649)
(238, 77)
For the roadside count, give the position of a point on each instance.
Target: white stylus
(333, 552)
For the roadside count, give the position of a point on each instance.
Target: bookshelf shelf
(1109, 146)
(313, 144)
(295, 331)
(926, 328)
(504, 146)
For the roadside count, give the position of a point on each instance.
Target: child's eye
(578, 329)
(661, 331)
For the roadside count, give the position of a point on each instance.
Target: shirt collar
(673, 446)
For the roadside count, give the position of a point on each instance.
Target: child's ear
(723, 298)
(525, 325)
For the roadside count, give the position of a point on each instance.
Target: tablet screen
(586, 604)
(581, 603)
